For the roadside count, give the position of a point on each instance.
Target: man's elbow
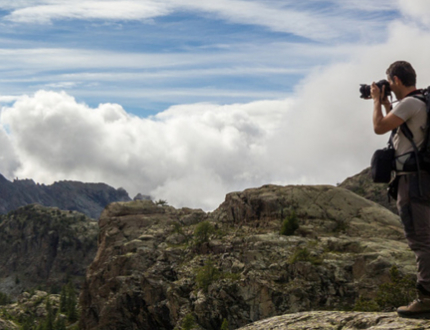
(379, 130)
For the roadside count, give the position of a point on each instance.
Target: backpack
(419, 159)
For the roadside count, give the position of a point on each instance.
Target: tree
(48, 324)
(203, 231)
(71, 311)
(63, 299)
(188, 322)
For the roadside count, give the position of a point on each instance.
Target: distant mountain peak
(88, 198)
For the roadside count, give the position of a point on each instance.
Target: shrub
(203, 231)
(303, 254)
(366, 305)
(161, 202)
(290, 224)
(4, 299)
(224, 325)
(398, 292)
(188, 322)
(206, 275)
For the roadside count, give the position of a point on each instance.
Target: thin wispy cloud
(304, 21)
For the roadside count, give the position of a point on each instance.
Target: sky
(189, 100)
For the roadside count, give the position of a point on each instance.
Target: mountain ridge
(87, 198)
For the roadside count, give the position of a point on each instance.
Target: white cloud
(126, 10)
(279, 16)
(175, 155)
(416, 10)
(8, 159)
(193, 154)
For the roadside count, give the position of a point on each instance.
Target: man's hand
(376, 95)
(375, 92)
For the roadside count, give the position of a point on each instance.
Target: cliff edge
(158, 267)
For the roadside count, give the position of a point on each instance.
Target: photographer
(413, 188)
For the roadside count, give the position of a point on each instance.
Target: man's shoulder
(414, 102)
(409, 106)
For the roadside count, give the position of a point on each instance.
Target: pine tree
(72, 313)
(60, 324)
(63, 299)
(49, 321)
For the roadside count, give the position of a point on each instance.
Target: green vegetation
(341, 226)
(206, 275)
(303, 254)
(366, 305)
(161, 202)
(177, 229)
(399, 291)
(203, 231)
(4, 299)
(290, 224)
(188, 322)
(68, 302)
(224, 325)
(58, 316)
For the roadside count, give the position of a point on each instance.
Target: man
(413, 197)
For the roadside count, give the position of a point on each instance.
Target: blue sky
(179, 52)
(188, 100)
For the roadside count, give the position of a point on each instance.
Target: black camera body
(365, 89)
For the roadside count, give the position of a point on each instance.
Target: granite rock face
(87, 198)
(338, 321)
(157, 266)
(44, 247)
(362, 185)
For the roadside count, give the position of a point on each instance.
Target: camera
(365, 89)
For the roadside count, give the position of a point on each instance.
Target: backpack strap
(410, 136)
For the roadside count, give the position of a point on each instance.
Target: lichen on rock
(149, 263)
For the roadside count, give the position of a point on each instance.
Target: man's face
(393, 85)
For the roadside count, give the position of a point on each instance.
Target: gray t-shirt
(413, 112)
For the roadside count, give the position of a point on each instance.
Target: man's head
(404, 72)
(402, 78)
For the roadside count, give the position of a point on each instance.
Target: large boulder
(363, 185)
(157, 266)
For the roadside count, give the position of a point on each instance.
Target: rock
(31, 309)
(7, 325)
(338, 321)
(362, 185)
(140, 197)
(44, 247)
(145, 277)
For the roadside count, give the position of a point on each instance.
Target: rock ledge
(338, 321)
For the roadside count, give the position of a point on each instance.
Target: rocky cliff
(44, 247)
(87, 198)
(159, 268)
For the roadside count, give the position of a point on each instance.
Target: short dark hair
(404, 71)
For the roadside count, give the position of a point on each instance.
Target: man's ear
(397, 81)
